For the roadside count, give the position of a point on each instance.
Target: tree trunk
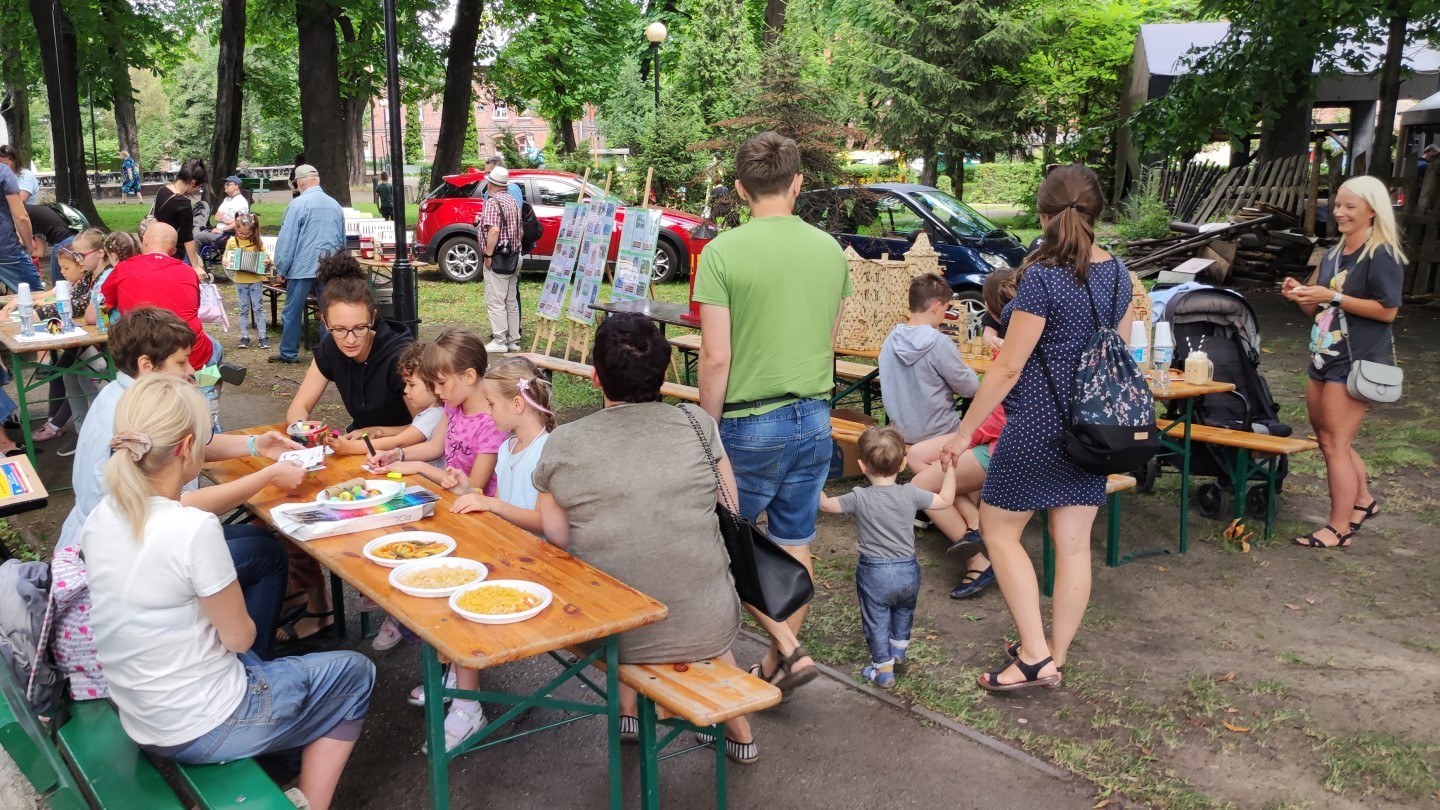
(353, 105)
(55, 37)
(320, 107)
(121, 91)
(1381, 164)
(229, 95)
(15, 99)
(774, 20)
(956, 171)
(929, 175)
(457, 104)
(1289, 133)
(566, 128)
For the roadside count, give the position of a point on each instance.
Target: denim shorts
(781, 459)
(289, 703)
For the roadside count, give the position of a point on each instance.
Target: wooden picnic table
(1179, 390)
(32, 374)
(589, 607)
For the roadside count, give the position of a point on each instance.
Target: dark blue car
(883, 219)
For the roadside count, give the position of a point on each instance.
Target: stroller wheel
(1212, 500)
(1146, 476)
(1257, 501)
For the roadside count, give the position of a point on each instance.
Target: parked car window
(555, 192)
(448, 190)
(898, 220)
(959, 217)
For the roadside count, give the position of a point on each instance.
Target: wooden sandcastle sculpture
(882, 297)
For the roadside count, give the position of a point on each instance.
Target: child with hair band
(249, 284)
(887, 576)
(453, 366)
(519, 402)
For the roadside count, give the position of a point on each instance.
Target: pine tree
(414, 142)
(717, 57)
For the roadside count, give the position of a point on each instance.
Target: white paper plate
(396, 537)
(503, 618)
(397, 575)
(388, 490)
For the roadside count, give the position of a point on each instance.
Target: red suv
(445, 230)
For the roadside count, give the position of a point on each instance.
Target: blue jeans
(290, 703)
(781, 459)
(55, 258)
(17, 270)
(252, 306)
(7, 405)
(888, 591)
(262, 567)
(297, 292)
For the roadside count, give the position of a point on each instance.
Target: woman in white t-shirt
(170, 625)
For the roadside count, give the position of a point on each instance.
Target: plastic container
(63, 306)
(26, 309)
(1162, 355)
(1139, 344)
(97, 306)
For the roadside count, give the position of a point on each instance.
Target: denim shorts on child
(888, 589)
(289, 703)
(781, 459)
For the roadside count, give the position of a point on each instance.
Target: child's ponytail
(518, 377)
(152, 419)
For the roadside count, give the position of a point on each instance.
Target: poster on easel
(636, 257)
(562, 262)
(599, 224)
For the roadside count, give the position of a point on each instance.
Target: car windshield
(956, 215)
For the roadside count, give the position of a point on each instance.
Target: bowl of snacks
(359, 493)
(502, 601)
(394, 550)
(437, 577)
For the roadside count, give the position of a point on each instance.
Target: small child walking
(249, 287)
(887, 576)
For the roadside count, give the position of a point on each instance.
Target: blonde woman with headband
(1359, 281)
(170, 624)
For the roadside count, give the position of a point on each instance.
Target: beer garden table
(31, 374)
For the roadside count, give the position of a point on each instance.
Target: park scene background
(1264, 676)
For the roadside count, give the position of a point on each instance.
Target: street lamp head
(656, 32)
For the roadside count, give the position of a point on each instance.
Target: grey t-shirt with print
(885, 518)
(1377, 277)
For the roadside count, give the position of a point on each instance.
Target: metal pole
(403, 273)
(94, 149)
(374, 155)
(655, 69)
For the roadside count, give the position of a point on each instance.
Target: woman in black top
(1360, 280)
(174, 208)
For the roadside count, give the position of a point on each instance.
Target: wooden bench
(93, 763)
(1256, 453)
(272, 292)
(856, 377)
(1114, 485)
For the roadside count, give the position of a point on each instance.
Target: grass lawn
(127, 217)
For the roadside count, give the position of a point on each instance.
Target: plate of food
(358, 493)
(437, 577)
(394, 550)
(502, 601)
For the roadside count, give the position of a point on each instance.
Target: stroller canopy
(1221, 307)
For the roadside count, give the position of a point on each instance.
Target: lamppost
(94, 149)
(403, 273)
(655, 32)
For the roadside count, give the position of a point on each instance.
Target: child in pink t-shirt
(453, 365)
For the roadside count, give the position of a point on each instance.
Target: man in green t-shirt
(385, 193)
(770, 294)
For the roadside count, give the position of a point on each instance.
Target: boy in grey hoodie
(921, 372)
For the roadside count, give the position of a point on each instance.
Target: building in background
(531, 132)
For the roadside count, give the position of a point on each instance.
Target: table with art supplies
(20, 491)
(521, 597)
(34, 373)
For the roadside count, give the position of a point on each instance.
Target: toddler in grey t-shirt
(887, 576)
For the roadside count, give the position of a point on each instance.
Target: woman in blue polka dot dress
(1068, 288)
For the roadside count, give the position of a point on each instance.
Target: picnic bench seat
(312, 310)
(862, 377)
(92, 762)
(1257, 453)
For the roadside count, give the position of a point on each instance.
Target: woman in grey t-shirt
(630, 491)
(1360, 282)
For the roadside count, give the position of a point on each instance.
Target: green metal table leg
(1185, 477)
(22, 395)
(438, 760)
(721, 797)
(612, 712)
(1112, 530)
(1239, 478)
(1272, 471)
(1047, 555)
(649, 757)
(337, 603)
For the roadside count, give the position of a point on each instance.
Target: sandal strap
(1032, 671)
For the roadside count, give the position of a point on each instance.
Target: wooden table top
(1179, 389)
(588, 604)
(386, 264)
(662, 311)
(979, 363)
(10, 337)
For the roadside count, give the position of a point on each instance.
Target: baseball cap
(305, 170)
(498, 176)
(233, 179)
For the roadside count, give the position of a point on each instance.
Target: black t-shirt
(177, 212)
(1379, 277)
(372, 391)
(987, 321)
(47, 224)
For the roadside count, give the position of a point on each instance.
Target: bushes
(1002, 183)
(1142, 216)
(860, 173)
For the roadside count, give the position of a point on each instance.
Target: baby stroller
(1221, 323)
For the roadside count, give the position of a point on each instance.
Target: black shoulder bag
(766, 577)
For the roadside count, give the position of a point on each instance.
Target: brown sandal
(795, 678)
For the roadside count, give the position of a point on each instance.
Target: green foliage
(871, 173)
(1002, 183)
(626, 113)
(1143, 215)
(191, 91)
(665, 147)
(414, 138)
(508, 149)
(718, 58)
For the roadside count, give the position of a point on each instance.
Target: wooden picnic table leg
(432, 677)
(22, 394)
(612, 720)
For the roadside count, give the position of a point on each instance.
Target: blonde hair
(1384, 232)
(89, 239)
(152, 418)
(518, 377)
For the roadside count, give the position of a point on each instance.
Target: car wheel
(459, 259)
(667, 263)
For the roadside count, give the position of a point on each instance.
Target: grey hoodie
(920, 374)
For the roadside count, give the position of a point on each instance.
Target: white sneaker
(496, 347)
(297, 798)
(514, 347)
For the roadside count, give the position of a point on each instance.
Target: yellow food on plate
(440, 576)
(497, 601)
(408, 550)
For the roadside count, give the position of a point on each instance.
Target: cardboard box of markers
(312, 521)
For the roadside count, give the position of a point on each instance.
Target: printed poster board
(562, 263)
(599, 225)
(636, 257)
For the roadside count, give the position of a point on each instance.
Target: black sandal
(292, 635)
(1311, 540)
(1368, 511)
(990, 681)
(795, 678)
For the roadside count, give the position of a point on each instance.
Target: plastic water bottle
(1163, 354)
(1139, 344)
(97, 306)
(63, 306)
(26, 310)
(212, 400)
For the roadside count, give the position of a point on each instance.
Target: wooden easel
(578, 339)
(548, 330)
